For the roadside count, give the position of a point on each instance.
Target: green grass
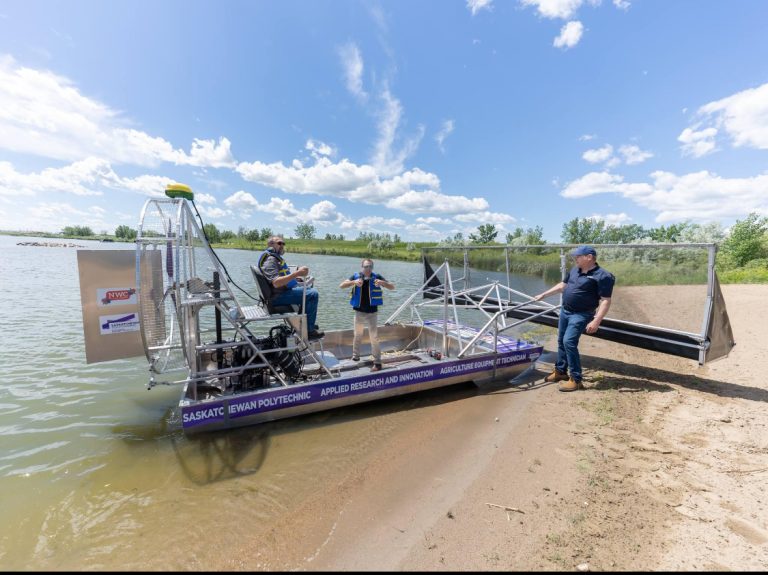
(648, 266)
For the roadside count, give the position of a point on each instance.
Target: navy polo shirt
(583, 290)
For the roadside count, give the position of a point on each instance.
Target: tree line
(744, 245)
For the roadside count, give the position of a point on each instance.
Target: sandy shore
(658, 465)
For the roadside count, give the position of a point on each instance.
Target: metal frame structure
(714, 341)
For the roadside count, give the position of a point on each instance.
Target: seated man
(288, 290)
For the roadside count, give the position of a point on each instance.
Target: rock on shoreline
(49, 245)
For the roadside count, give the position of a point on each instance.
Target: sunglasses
(367, 266)
(280, 243)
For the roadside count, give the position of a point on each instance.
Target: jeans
(569, 330)
(293, 296)
(369, 320)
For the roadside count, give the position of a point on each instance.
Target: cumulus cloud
(413, 191)
(698, 143)
(700, 196)
(611, 219)
(44, 114)
(89, 177)
(742, 117)
(598, 155)
(563, 9)
(570, 35)
(634, 155)
(630, 153)
(485, 217)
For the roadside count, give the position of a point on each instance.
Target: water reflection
(210, 457)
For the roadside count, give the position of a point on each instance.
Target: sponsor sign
(116, 296)
(118, 323)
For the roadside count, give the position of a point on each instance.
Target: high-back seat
(267, 292)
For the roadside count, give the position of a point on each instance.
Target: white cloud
(698, 143)
(432, 202)
(698, 196)
(352, 62)
(386, 159)
(89, 177)
(598, 155)
(743, 117)
(563, 9)
(611, 219)
(46, 115)
(431, 220)
(414, 191)
(570, 35)
(476, 6)
(631, 153)
(634, 155)
(445, 130)
(486, 217)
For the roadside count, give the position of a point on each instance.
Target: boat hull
(423, 371)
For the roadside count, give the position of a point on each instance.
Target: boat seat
(266, 292)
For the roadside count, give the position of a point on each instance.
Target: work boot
(376, 367)
(556, 376)
(571, 385)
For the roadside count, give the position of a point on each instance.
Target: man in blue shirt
(587, 291)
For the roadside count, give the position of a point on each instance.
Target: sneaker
(571, 385)
(376, 367)
(355, 358)
(315, 334)
(556, 376)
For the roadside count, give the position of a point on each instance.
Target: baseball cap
(584, 251)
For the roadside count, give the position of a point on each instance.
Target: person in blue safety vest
(365, 297)
(287, 284)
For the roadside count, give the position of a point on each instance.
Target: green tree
(227, 235)
(212, 233)
(747, 240)
(583, 231)
(81, 231)
(125, 232)
(305, 231)
(486, 233)
(527, 237)
(667, 235)
(624, 234)
(252, 235)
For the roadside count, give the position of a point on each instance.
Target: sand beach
(658, 465)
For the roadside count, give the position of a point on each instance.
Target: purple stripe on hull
(232, 408)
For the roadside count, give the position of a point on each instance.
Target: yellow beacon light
(179, 191)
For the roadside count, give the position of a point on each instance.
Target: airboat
(243, 361)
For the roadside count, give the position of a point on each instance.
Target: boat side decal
(263, 401)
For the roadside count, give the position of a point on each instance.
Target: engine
(273, 347)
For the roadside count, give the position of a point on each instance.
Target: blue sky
(422, 118)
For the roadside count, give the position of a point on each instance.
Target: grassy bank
(652, 267)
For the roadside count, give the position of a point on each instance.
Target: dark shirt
(583, 290)
(365, 296)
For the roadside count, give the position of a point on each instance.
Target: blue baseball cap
(584, 251)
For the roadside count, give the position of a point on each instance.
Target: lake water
(94, 472)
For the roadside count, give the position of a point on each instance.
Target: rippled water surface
(94, 472)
